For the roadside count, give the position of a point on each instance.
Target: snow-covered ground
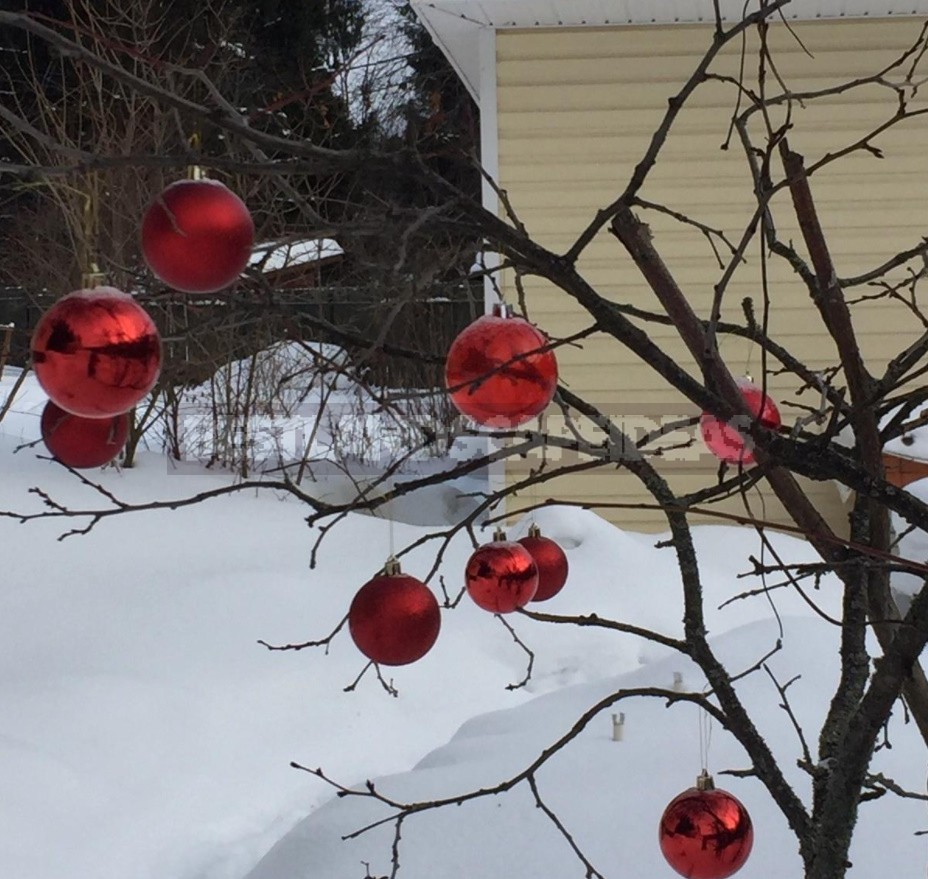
(145, 733)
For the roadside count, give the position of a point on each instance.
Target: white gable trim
(455, 25)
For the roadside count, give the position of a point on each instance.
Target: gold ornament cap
(392, 567)
(92, 278)
(502, 309)
(499, 534)
(704, 781)
(534, 530)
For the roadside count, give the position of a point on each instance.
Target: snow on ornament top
(496, 372)
(197, 236)
(724, 439)
(96, 353)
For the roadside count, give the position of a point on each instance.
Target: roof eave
(455, 25)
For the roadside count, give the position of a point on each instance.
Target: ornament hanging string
(533, 488)
(764, 545)
(90, 233)
(704, 722)
(392, 536)
(194, 171)
(747, 359)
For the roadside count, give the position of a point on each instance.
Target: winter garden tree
(857, 402)
(299, 69)
(63, 227)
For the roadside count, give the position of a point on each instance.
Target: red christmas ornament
(492, 375)
(501, 576)
(83, 442)
(551, 562)
(197, 236)
(96, 352)
(706, 833)
(723, 439)
(394, 619)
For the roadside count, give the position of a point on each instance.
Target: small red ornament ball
(492, 376)
(197, 236)
(551, 562)
(394, 619)
(83, 442)
(501, 576)
(96, 352)
(723, 439)
(706, 834)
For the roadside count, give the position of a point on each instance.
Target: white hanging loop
(705, 739)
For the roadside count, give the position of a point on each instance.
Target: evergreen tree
(442, 116)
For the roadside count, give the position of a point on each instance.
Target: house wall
(576, 110)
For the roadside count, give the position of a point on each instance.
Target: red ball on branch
(501, 576)
(394, 619)
(724, 439)
(551, 562)
(82, 442)
(197, 236)
(499, 370)
(96, 353)
(706, 833)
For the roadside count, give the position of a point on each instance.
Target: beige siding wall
(576, 110)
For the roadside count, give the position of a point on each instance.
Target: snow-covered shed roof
(455, 25)
(272, 256)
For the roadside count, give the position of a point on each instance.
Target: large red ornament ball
(501, 576)
(551, 562)
(494, 377)
(96, 352)
(83, 442)
(197, 236)
(394, 619)
(723, 439)
(706, 834)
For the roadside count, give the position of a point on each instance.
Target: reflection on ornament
(501, 576)
(83, 442)
(96, 352)
(706, 833)
(197, 236)
(551, 562)
(496, 374)
(723, 439)
(394, 619)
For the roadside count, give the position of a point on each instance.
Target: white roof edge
(431, 20)
(456, 24)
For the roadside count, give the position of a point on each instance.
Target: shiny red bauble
(723, 438)
(496, 374)
(394, 619)
(501, 576)
(197, 236)
(83, 442)
(551, 562)
(96, 352)
(706, 833)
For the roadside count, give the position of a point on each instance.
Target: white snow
(145, 733)
(912, 443)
